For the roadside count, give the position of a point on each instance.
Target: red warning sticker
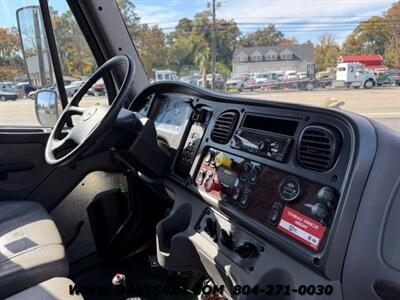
(301, 227)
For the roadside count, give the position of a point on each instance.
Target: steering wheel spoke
(76, 110)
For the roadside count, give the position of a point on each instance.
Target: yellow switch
(222, 160)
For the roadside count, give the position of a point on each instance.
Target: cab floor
(144, 281)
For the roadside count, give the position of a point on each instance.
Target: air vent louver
(224, 127)
(318, 148)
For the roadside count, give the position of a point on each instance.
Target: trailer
(302, 85)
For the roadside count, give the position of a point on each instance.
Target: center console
(288, 204)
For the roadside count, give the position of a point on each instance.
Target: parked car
(9, 86)
(261, 78)
(98, 89)
(72, 88)
(26, 88)
(219, 81)
(237, 82)
(190, 79)
(395, 75)
(290, 76)
(384, 78)
(8, 95)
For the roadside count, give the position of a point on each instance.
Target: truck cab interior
(177, 187)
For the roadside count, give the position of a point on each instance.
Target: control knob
(226, 239)
(326, 195)
(318, 210)
(246, 250)
(210, 227)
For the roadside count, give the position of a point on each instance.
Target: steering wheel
(94, 121)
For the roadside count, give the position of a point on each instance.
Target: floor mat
(144, 281)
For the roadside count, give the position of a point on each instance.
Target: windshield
(303, 46)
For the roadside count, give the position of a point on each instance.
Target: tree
(183, 50)
(183, 29)
(131, 18)
(75, 55)
(11, 62)
(202, 60)
(227, 36)
(152, 48)
(189, 35)
(9, 42)
(289, 41)
(369, 37)
(392, 51)
(223, 69)
(268, 36)
(326, 52)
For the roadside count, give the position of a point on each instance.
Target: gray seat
(52, 289)
(31, 249)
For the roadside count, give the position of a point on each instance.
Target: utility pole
(214, 6)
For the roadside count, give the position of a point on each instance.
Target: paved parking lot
(382, 104)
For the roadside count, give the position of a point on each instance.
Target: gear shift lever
(119, 282)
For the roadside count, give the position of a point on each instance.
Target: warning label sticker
(301, 227)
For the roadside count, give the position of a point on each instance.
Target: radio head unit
(265, 136)
(264, 144)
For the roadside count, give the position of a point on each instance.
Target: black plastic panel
(347, 176)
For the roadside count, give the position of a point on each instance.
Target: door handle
(13, 167)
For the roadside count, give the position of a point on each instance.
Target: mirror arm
(48, 27)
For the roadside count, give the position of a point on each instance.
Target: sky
(302, 19)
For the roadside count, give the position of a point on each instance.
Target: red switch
(211, 185)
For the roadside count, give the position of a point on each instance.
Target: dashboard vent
(224, 127)
(318, 148)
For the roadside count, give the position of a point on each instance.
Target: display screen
(172, 114)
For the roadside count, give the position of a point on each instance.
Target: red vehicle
(98, 89)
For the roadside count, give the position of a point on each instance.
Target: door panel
(36, 180)
(22, 154)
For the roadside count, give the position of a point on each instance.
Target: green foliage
(369, 37)
(75, 55)
(201, 59)
(11, 62)
(268, 36)
(150, 43)
(392, 51)
(326, 52)
(223, 69)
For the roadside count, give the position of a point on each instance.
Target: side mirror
(46, 107)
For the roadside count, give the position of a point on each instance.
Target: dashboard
(263, 192)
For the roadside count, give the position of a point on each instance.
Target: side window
(77, 60)
(24, 67)
(25, 63)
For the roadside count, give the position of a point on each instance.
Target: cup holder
(176, 222)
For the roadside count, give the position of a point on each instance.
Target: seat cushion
(53, 289)
(31, 249)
